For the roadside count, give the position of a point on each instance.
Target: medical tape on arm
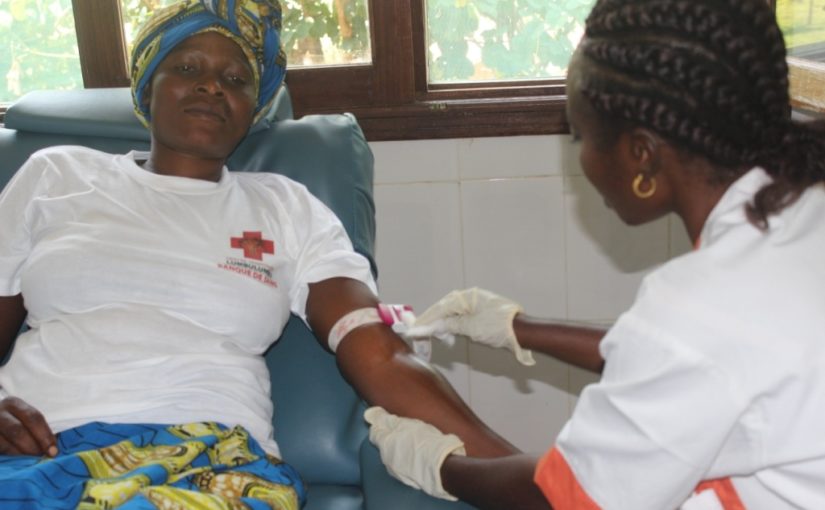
(399, 317)
(350, 321)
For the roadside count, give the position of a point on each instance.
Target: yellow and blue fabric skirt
(129, 466)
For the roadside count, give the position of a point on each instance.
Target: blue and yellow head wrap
(254, 25)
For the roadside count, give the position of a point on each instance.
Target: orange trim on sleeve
(559, 484)
(725, 493)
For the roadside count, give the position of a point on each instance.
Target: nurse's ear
(645, 150)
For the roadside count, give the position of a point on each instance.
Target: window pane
(803, 23)
(39, 49)
(315, 32)
(135, 13)
(488, 40)
(326, 32)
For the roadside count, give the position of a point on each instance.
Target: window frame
(391, 97)
(807, 82)
(393, 101)
(807, 85)
(101, 43)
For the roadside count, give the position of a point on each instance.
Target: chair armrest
(382, 491)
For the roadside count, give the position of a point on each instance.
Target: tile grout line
(460, 190)
(565, 184)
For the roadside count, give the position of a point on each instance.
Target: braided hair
(711, 76)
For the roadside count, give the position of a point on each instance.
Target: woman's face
(610, 161)
(202, 97)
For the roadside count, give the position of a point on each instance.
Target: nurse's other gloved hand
(482, 316)
(413, 451)
(24, 431)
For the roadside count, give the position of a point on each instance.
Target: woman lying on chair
(122, 265)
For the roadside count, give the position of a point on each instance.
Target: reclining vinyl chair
(318, 417)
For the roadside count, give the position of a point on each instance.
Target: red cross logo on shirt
(253, 245)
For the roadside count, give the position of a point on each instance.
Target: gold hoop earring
(637, 187)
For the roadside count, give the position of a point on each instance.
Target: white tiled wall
(516, 216)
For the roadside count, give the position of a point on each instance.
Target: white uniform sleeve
(645, 435)
(326, 251)
(16, 201)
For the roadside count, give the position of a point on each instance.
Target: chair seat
(338, 497)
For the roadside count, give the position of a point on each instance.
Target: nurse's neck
(696, 195)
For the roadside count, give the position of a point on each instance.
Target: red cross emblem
(253, 245)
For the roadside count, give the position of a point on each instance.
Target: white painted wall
(516, 216)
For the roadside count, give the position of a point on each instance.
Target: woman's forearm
(385, 373)
(571, 343)
(494, 484)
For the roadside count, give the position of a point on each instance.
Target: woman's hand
(478, 314)
(23, 430)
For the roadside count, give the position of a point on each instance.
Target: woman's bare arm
(23, 430)
(12, 315)
(383, 370)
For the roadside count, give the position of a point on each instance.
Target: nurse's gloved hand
(413, 451)
(482, 316)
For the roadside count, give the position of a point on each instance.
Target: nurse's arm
(572, 343)
(384, 372)
(494, 484)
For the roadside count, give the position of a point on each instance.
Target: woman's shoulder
(66, 160)
(70, 152)
(63, 163)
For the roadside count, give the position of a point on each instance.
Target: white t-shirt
(152, 298)
(715, 375)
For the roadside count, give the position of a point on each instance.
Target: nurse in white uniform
(712, 392)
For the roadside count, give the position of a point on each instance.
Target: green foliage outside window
(468, 39)
(315, 32)
(39, 48)
(803, 24)
(502, 39)
(326, 32)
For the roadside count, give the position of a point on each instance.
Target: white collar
(730, 210)
(171, 183)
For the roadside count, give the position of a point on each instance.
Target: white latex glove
(482, 316)
(413, 451)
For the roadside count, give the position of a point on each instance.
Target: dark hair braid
(711, 76)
